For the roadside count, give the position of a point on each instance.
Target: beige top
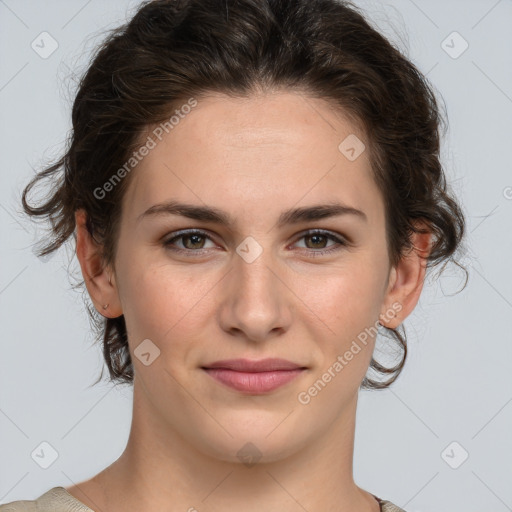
(59, 500)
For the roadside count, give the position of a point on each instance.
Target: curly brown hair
(171, 50)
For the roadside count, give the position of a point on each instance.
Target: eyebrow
(215, 215)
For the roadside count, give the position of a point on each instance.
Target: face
(195, 291)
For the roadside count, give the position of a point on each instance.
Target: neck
(159, 470)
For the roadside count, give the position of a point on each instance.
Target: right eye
(193, 239)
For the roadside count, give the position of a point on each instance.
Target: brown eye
(318, 240)
(195, 241)
(191, 241)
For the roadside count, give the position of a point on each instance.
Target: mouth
(254, 377)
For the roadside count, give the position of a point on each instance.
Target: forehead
(257, 153)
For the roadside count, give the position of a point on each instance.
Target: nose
(256, 299)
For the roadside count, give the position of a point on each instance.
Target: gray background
(457, 384)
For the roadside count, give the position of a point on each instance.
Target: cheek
(349, 307)
(346, 299)
(164, 303)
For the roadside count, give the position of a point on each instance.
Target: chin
(254, 440)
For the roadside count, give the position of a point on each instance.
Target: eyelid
(176, 235)
(339, 239)
(324, 232)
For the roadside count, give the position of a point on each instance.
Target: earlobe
(97, 278)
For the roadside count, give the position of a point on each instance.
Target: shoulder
(387, 506)
(19, 506)
(56, 499)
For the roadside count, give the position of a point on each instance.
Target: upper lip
(261, 365)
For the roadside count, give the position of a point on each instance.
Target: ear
(406, 281)
(99, 280)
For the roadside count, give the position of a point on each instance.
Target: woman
(255, 191)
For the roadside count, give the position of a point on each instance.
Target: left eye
(321, 237)
(193, 241)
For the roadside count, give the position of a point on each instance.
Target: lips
(254, 377)
(262, 365)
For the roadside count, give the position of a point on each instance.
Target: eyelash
(315, 253)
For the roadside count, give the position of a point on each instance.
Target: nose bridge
(256, 303)
(252, 272)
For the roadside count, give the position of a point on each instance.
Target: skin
(252, 158)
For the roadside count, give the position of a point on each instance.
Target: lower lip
(253, 382)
